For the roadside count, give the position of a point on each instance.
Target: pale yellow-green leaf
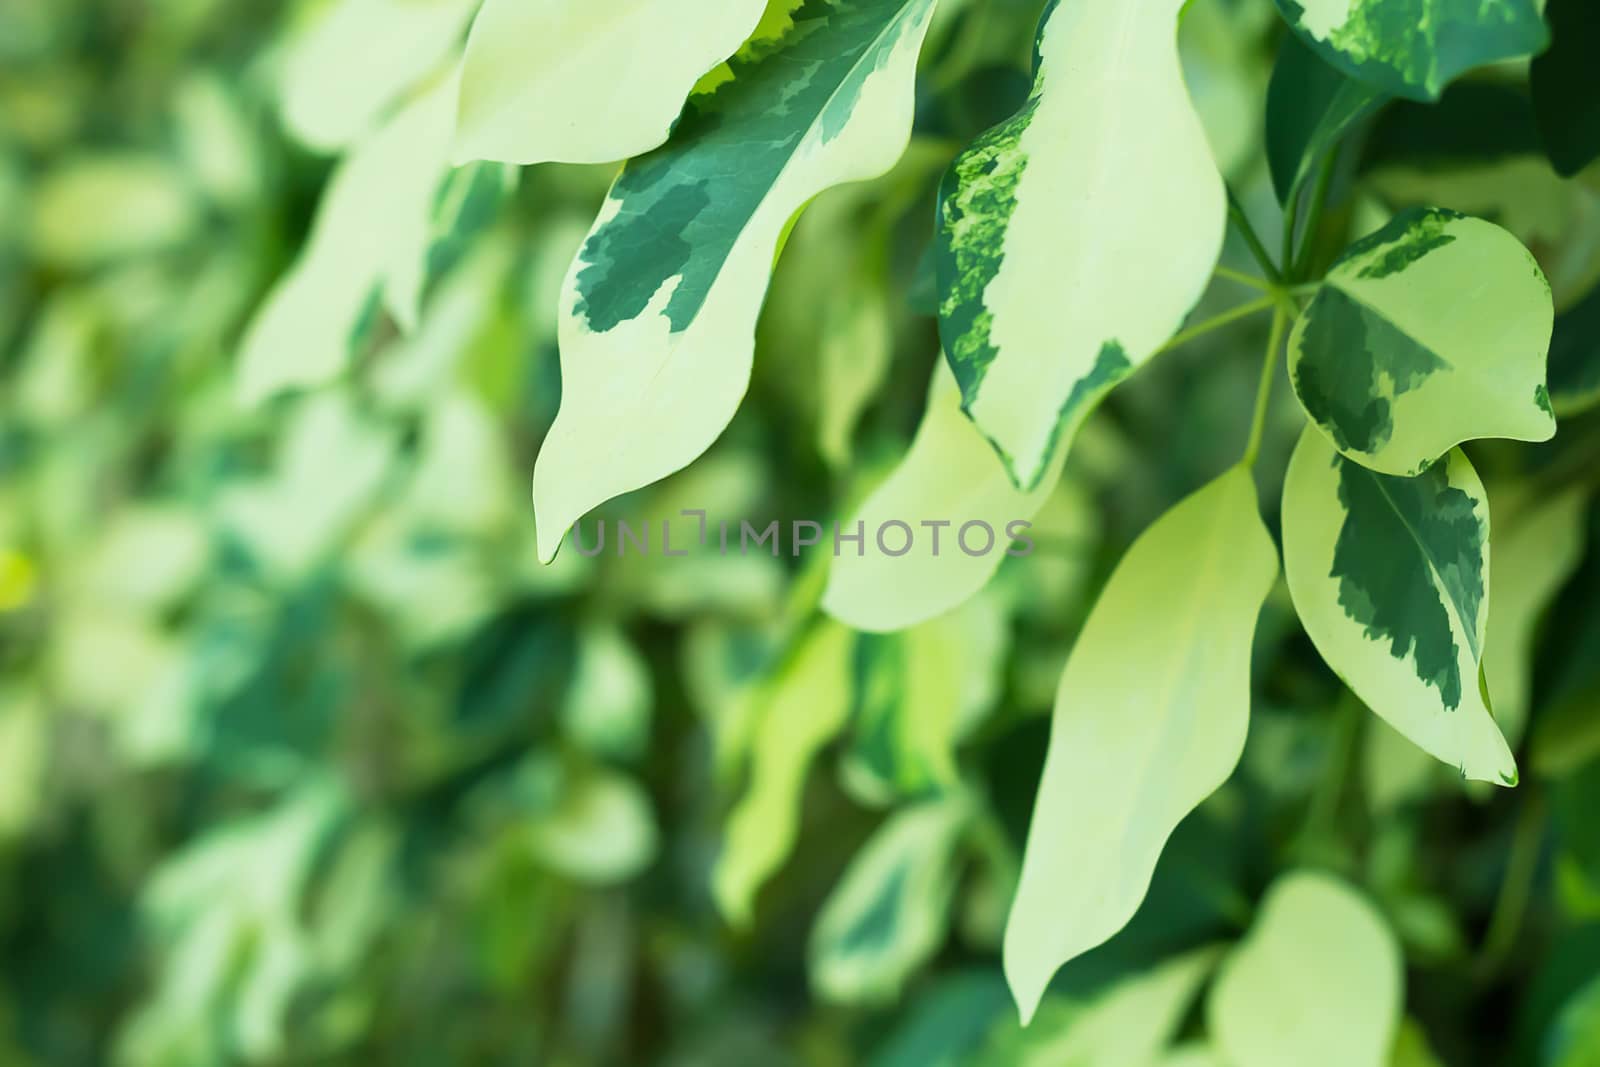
(1390, 577)
(1150, 719)
(575, 81)
(94, 208)
(950, 476)
(608, 705)
(349, 66)
(602, 832)
(857, 345)
(369, 225)
(887, 915)
(1538, 543)
(1317, 982)
(803, 707)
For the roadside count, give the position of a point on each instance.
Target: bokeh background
(304, 758)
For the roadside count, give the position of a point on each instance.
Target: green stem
(1269, 367)
(1522, 866)
(1216, 322)
(1291, 222)
(1319, 201)
(1252, 240)
(1242, 278)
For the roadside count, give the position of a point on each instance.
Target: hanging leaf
(1538, 543)
(1149, 720)
(572, 81)
(1565, 104)
(660, 305)
(948, 479)
(802, 709)
(1430, 332)
(1391, 579)
(349, 66)
(1310, 106)
(887, 916)
(1414, 48)
(1317, 983)
(1107, 163)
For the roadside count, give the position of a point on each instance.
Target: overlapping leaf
(1318, 982)
(1310, 106)
(1429, 332)
(575, 81)
(659, 308)
(1150, 719)
(1415, 48)
(1562, 79)
(1075, 236)
(1390, 577)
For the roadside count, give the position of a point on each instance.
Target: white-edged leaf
(581, 81)
(1432, 331)
(1390, 577)
(1317, 983)
(1075, 236)
(1150, 719)
(659, 309)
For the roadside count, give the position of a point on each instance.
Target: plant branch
(1269, 368)
(1252, 240)
(1319, 201)
(1240, 277)
(1216, 322)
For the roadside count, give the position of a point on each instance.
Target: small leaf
(1317, 983)
(1149, 720)
(1562, 79)
(1310, 106)
(950, 478)
(1430, 332)
(1106, 164)
(1414, 48)
(659, 309)
(574, 81)
(887, 916)
(802, 709)
(1391, 579)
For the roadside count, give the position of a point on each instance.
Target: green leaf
(803, 707)
(1565, 104)
(106, 206)
(1310, 106)
(1414, 48)
(1317, 983)
(345, 70)
(1427, 333)
(1391, 579)
(1574, 1040)
(949, 477)
(1149, 720)
(572, 81)
(1106, 165)
(659, 308)
(1575, 357)
(1538, 543)
(888, 914)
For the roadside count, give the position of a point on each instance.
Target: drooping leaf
(949, 479)
(344, 70)
(1390, 577)
(573, 81)
(802, 708)
(1106, 164)
(1317, 983)
(1149, 720)
(659, 308)
(1427, 333)
(1562, 79)
(1310, 106)
(1414, 48)
(888, 913)
(1538, 543)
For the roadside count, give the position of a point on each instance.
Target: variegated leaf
(1075, 236)
(659, 308)
(1317, 983)
(888, 913)
(1432, 331)
(949, 478)
(1149, 720)
(575, 81)
(1415, 48)
(1390, 577)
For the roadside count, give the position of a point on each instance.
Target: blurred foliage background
(304, 759)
